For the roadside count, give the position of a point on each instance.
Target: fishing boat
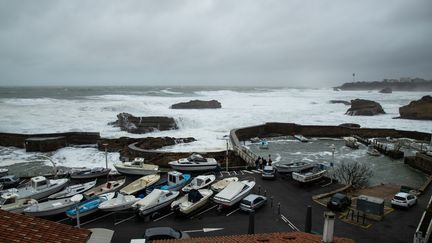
(109, 186)
(176, 181)
(121, 202)
(372, 151)
(154, 201)
(234, 192)
(40, 187)
(87, 173)
(140, 184)
(263, 144)
(89, 206)
(351, 142)
(48, 208)
(9, 202)
(73, 190)
(310, 175)
(136, 167)
(195, 162)
(199, 182)
(301, 138)
(292, 166)
(191, 201)
(221, 184)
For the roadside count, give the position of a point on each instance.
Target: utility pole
(226, 159)
(106, 154)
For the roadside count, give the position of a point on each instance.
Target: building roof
(21, 229)
(259, 238)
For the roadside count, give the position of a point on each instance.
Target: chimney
(329, 218)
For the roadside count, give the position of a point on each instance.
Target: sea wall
(420, 161)
(281, 129)
(71, 138)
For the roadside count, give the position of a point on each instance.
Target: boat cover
(194, 196)
(232, 190)
(151, 199)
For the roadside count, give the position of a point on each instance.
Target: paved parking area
(398, 226)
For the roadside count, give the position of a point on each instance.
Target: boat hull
(147, 211)
(50, 212)
(193, 167)
(135, 171)
(42, 193)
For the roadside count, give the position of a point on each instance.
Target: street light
(76, 199)
(333, 148)
(106, 154)
(53, 163)
(227, 147)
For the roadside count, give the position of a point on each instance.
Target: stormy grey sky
(202, 42)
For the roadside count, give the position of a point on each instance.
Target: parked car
(252, 202)
(164, 233)
(9, 181)
(268, 172)
(403, 199)
(339, 202)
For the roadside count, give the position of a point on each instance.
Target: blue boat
(89, 206)
(176, 181)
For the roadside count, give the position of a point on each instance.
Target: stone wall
(75, 138)
(421, 161)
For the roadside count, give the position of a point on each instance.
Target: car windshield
(399, 198)
(268, 171)
(246, 202)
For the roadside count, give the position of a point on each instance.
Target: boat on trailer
(221, 184)
(176, 181)
(140, 184)
(191, 201)
(73, 190)
(292, 166)
(199, 182)
(51, 207)
(310, 175)
(136, 167)
(40, 187)
(89, 206)
(121, 202)
(195, 162)
(9, 202)
(89, 173)
(109, 186)
(154, 201)
(234, 192)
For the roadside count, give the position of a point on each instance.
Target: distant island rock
(386, 90)
(360, 107)
(417, 110)
(403, 84)
(340, 102)
(198, 104)
(139, 125)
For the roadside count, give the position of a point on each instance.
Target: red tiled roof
(289, 237)
(22, 229)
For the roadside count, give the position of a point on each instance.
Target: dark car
(163, 233)
(339, 202)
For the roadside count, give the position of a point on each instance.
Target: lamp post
(53, 163)
(333, 148)
(227, 147)
(106, 154)
(76, 199)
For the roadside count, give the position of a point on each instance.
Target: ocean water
(63, 109)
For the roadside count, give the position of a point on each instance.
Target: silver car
(252, 202)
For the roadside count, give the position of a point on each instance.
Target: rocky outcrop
(340, 102)
(418, 110)
(386, 90)
(360, 107)
(139, 125)
(198, 104)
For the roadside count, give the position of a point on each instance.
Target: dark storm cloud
(288, 43)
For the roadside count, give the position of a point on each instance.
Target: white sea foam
(93, 113)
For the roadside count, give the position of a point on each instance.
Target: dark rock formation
(350, 125)
(418, 110)
(198, 104)
(360, 107)
(139, 125)
(386, 90)
(340, 102)
(416, 84)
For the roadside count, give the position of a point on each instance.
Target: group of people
(260, 162)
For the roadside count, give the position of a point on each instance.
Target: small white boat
(121, 202)
(351, 142)
(372, 151)
(292, 167)
(89, 206)
(195, 162)
(154, 201)
(9, 202)
(191, 201)
(310, 175)
(301, 138)
(87, 173)
(140, 184)
(264, 144)
(221, 184)
(234, 192)
(48, 208)
(109, 186)
(199, 182)
(175, 181)
(39, 187)
(73, 190)
(136, 167)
